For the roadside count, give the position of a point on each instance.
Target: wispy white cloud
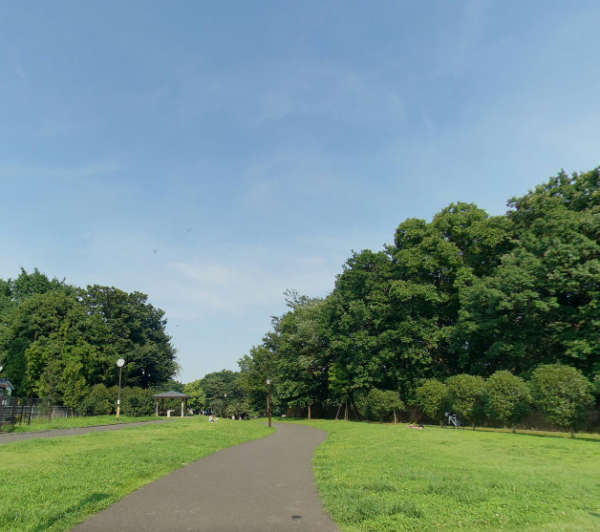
(459, 45)
(196, 287)
(309, 89)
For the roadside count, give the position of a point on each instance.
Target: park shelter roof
(6, 384)
(171, 395)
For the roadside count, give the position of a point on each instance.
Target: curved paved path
(56, 433)
(264, 485)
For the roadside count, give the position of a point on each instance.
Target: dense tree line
(58, 340)
(220, 393)
(561, 394)
(464, 294)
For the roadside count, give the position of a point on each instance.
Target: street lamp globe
(120, 363)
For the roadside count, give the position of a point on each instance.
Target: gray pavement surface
(55, 433)
(264, 485)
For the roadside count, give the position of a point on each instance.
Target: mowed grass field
(380, 477)
(54, 483)
(37, 425)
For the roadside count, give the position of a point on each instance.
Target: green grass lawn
(54, 483)
(73, 422)
(379, 477)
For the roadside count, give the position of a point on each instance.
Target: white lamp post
(120, 364)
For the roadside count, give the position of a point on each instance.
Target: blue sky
(214, 154)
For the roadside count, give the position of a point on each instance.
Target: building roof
(171, 395)
(5, 383)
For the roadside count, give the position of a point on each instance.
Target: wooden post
(182, 408)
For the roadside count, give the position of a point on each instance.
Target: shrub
(137, 402)
(197, 399)
(430, 398)
(562, 394)
(507, 398)
(99, 401)
(596, 386)
(465, 397)
(380, 405)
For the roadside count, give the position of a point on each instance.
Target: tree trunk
(337, 414)
(309, 416)
(356, 412)
(572, 433)
(346, 411)
(395, 418)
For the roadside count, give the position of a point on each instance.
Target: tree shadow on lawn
(523, 432)
(554, 436)
(89, 501)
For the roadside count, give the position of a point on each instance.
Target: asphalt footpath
(264, 485)
(56, 433)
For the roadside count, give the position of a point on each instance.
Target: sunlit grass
(54, 483)
(74, 422)
(379, 477)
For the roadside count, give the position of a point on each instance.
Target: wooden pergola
(161, 397)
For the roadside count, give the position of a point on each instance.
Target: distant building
(6, 388)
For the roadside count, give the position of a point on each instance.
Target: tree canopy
(57, 340)
(465, 293)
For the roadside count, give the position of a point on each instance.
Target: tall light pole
(224, 405)
(269, 400)
(120, 364)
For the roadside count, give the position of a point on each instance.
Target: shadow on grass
(554, 436)
(88, 501)
(522, 432)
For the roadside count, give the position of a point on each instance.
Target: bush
(137, 402)
(562, 394)
(507, 398)
(100, 401)
(596, 386)
(197, 399)
(380, 405)
(465, 397)
(430, 398)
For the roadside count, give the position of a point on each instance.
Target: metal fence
(16, 410)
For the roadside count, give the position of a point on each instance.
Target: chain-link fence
(16, 410)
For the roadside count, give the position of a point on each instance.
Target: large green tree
(57, 340)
